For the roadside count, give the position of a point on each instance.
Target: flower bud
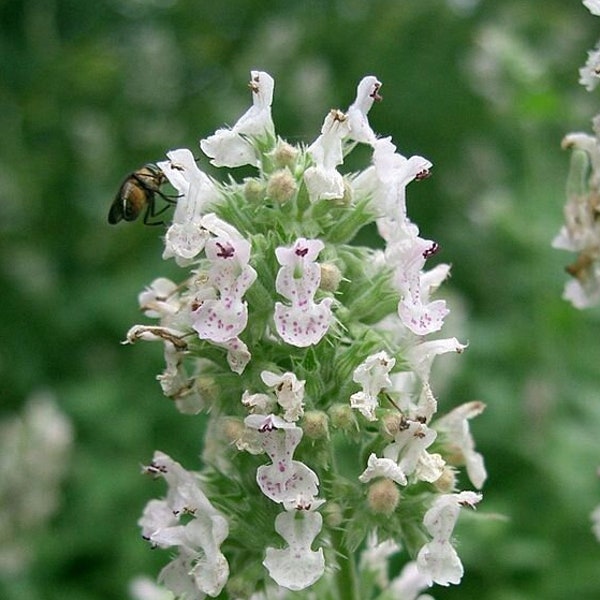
(254, 190)
(332, 514)
(330, 277)
(282, 186)
(446, 483)
(233, 429)
(316, 425)
(383, 496)
(342, 417)
(284, 154)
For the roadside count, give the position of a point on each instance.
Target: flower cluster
(581, 230)
(311, 357)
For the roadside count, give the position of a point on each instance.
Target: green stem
(346, 581)
(345, 577)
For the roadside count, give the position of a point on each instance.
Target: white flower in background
(143, 588)
(35, 448)
(374, 558)
(200, 565)
(596, 522)
(455, 428)
(593, 6)
(372, 374)
(581, 231)
(410, 583)
(438, 559)
(233, 147)
(289, 391)
(296, 567)
(303, 322)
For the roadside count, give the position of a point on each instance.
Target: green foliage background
(485, 89)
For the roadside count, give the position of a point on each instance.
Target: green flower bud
(342, 417)
(254, 190)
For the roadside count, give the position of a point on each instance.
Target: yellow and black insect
(138, 194)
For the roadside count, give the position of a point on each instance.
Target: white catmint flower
(224, 318)
(374, 558)
(200, 566)
(186, 236)
(420, 357)
(593, 6)
(383, 467)
(233, 147)
(238, 355)
(408, 451)
(286, 480)
(367, 92)
(589, 74)
(581, 231)
(390, 174)
(372, 374)
(296, 567)
(595, 516)
(304, 322)
(160, 300)
(143, 588)
(323, 180)
(410, 583)
(459, 441)
(438, 559)
(289, 391)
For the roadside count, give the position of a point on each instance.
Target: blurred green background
(486, 89)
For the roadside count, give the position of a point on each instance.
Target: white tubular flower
(289, 391)
(231, 147)
(421, 357)
(297, 566)
(593, 6)
(392, 173)
(160, 300)
(595, 516)
(286, 480)
(408, 451)
(372, 374)
(382, 467)
(186, 236)
(458, 439)
(143, 588)
(200, 566)
(305, 322)
(589, 74)
(375, 556)
(238, 355)
(261, 404)
(438, 559)
(410, 583)
(323, 180)
(224, 318)
(367, 92)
